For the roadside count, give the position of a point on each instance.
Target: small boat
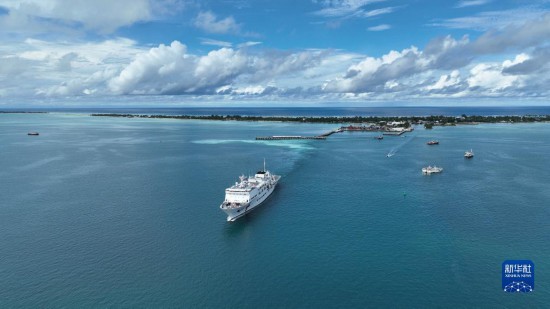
(379, 137)
(469, 154)
(434, 142)
(33, 133)
(431, 169)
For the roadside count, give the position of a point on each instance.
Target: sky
(301, 52)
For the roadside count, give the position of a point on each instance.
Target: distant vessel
(433, 142)
(33, 133)
(469, 154)
(379, 137)
(431, 169)
(250, 192)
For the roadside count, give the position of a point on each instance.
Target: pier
(324, 136)
(394, 133)
(287, 137)
(329, 133)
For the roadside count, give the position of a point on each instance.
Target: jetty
(329, 133)
(397, 133)
(287, 137)
(372, 128)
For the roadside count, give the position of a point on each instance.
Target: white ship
(469, 154)
(431, 169)
(249, 193)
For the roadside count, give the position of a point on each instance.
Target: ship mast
(264, 164)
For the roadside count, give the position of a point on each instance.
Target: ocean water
(107, 212)
(317, 111)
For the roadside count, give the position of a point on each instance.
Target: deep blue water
(107, 212)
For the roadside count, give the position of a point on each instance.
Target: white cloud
(486, 21)
(380, 75)
(468, 3)
(446, 67)
(150, 72)
(206, 41)
(445, 81)
(490, 78)
(379, 27)
(173, 70)
(519, 59)
(531, 33)
(538, 61)
(209, 22)
(62, 68)
(100, 15)
(371, 74)
(249, 44)
(340, 8)
(377, 12)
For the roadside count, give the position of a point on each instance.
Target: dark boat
(433, 143)
(33, 133)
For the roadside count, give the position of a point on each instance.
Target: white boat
(249, 193)
(469, 154)
(431, 169)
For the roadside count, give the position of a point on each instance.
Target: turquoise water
(106, 212)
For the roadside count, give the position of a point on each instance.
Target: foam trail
(300, 145)
(394, 150)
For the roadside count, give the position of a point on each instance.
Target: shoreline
(428, 121)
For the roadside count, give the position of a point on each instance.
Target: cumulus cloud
(489, 77)
(62, 68)
(538, 61)
(173, 70)
(65, 62)
(446, 81)
(150, 72)
(445, 67)
(373, 75)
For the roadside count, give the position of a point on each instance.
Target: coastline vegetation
(427, 121)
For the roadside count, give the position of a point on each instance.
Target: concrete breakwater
(287, 137)
(384, 129)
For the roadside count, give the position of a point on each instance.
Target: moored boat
(431, 170)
